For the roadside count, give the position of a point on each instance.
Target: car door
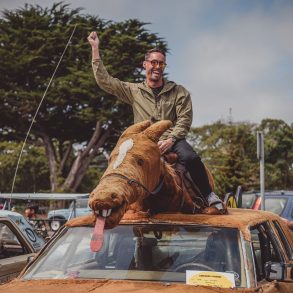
(14, 251)
(268, 250)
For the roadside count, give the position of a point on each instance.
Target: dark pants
(192, 162)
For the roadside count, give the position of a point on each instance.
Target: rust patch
(105, 286)
(241, 219)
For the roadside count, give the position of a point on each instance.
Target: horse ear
(155, 131)
(136, 128)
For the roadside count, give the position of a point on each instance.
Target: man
(158, 99)
(31, 211)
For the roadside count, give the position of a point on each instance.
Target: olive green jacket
(173, 103)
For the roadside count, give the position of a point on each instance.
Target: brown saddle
(171, 158)
(200, 203)
(186, 183)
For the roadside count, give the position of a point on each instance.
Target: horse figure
(138, 180)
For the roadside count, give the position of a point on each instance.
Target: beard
(155, 75)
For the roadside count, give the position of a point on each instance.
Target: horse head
(134, 171)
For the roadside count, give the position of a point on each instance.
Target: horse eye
(140, 162)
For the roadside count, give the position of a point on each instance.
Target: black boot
(199, 176)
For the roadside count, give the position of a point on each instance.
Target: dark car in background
(279, 202)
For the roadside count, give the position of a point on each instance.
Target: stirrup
(216, 206)
(211, 210)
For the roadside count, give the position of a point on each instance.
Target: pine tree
(75, 112)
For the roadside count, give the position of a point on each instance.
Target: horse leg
(137, 210)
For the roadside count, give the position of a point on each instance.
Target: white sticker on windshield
(208, 278)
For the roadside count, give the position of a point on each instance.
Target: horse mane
(168, 168)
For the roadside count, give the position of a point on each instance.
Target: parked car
(278, 202)
(18, 241)
(76, 209)
(167, 253)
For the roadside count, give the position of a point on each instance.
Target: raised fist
(93, 39)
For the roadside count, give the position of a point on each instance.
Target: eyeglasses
(156, 63)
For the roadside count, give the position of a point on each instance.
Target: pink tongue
(98, 235)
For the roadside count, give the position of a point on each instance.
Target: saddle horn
(155, 131)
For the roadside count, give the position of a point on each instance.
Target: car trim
(246, 269)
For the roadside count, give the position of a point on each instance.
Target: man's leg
(192, 162)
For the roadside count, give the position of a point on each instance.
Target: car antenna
(36, 113)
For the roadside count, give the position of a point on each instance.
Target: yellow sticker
(213, 279)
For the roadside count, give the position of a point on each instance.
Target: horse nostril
(97, 206)
(113, 196)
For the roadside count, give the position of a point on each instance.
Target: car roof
(241, 219)
(271, 193)
(44, 196)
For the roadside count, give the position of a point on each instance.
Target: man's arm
(95, 43)
(184, 115)
(105, 81)
(184, 119)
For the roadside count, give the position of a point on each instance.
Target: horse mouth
(113, 215)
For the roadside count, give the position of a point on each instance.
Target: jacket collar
(168, 85)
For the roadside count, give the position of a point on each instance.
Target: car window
(276, 204)
(248, 200)
(82, 203)
(265, 248)
(283, 239)
(143, 252)
(10, 245)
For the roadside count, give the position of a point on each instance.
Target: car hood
(105, 286)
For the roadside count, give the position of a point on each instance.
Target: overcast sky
(229, 54)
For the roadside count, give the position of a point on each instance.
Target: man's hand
(95, 43)
(94, 40)
(165, 145)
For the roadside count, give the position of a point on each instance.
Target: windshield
(80, 204)
(142, 252)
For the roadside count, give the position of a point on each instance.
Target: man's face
(154, 72)
(27, 213)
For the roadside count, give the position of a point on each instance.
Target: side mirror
(274, 271)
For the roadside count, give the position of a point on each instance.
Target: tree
(278, 153)
(229, 150)
(33, 168)
(75, 112)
